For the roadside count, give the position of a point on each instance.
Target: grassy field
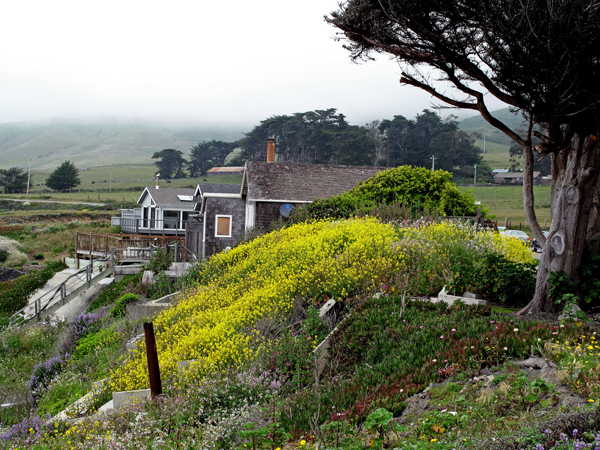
(129, 181)
(507, 202)
(127, 184)
(496, 155)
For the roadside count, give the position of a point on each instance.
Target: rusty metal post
(152, 355)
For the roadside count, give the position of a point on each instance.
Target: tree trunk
(575, 172)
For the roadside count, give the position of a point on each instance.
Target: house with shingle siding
(216, 216)
(269, 192)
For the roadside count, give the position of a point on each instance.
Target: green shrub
(160, 261)
(115, 291)
(118, 310)
(590, 279)
(496, 279)
(14, 294)
(93, 342)
(38, 256)
(418, 189)
(291, 358)
(3, 255)
(57, 250)
(559, 284)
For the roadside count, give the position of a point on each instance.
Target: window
(223, 226)
(170, 219)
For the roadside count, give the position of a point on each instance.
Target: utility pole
(475, 176)
(432, 158)
(110, 183)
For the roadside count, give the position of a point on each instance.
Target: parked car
(536, 245)
(517, 234)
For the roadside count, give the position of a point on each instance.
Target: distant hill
(478, 124)
(97, 144)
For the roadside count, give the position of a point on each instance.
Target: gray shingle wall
(266, 213)
(235, 207)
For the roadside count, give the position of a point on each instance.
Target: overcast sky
(230, 62)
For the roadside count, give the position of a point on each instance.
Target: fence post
(62, 293)
(152, 357)
(176, 253)
(112, 257)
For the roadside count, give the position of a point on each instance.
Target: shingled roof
(301, 182)
(168, 197)
(220, 188)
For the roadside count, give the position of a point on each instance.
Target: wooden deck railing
(94, 245)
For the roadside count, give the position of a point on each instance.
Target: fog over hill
(99, 143)
(108, 142)
(478, 124)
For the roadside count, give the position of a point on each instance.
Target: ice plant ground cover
(216, 410)
(314, 261)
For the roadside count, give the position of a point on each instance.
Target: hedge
(15, 293)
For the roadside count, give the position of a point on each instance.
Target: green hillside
(478, 124)
(97, 144)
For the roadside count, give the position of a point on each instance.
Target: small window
(223, 226)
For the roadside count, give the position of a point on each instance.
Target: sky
(227, 63)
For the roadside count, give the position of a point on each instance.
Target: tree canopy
(66, 176)
(170, 164)
(13, 180)
(540, 57)
(205, 155)
(324, 137)
(419, 189)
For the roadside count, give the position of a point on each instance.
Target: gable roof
(168, 197)
(282, 182)
(220, 188)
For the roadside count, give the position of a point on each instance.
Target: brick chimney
(271, 150)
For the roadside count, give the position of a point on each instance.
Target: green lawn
(507, 202)
(127, 184)
(496, 155)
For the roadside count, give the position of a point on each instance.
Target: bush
(418, 189)
(312, 262)
(497, 279)
(94, 342)
(44, 372)
(291, 359)
(118, 310)
(85, 324)
(160, 261)
(15, 257)
(14, 294)
(3, 255)
(115, 291)
(38, 256)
